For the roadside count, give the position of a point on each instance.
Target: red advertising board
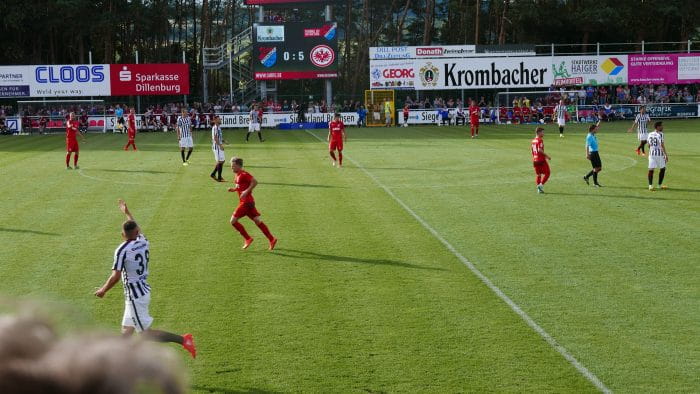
(149, 79)
(294, 75)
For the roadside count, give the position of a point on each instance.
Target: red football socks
(263, 227)
(333, 155)
(75, 159)
(340, 158)
(241, 230)
(67, 159)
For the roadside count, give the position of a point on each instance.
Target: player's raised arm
(125, 209)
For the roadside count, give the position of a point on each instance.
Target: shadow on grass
(23, 231)
(651, 196)
(305, 255)
(670, 189)
(229, 391)
(133, 171)
(300, 185)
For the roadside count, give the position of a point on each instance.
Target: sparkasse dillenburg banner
(82, 80)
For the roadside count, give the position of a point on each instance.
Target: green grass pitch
(360, 296)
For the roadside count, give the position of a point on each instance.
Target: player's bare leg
(239, 227)
(332, 153)
(263, 227)
(187, 341)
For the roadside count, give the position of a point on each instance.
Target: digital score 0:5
(293, 56)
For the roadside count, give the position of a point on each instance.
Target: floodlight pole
(263, 83)
(184, 96)
(329, 82)
(138, 98)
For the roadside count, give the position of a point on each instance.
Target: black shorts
(595, 160)
(120, 120)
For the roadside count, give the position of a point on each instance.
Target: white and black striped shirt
(560, 110)
(216, 136)
(185, 126)
(131, 258)
(642, 120)
(655, 139)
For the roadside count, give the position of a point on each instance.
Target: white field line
(80, 171)
(523, 315)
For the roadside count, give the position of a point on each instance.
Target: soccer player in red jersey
(539, 160)
(474, 112)
(131, 129)
(336, 138)
(72, 140)
(245, 183)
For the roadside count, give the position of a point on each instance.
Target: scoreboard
(295, 50)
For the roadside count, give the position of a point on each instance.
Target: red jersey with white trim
(243, 181)
(538, 150)
(337, 129)
(71, 130)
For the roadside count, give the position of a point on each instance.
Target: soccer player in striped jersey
(217, 146)
(539, 160)
(131, 265)
(245, 183)
(255, 117)
(658, 157)
(184, 136)
(560, 113)
(641, 120)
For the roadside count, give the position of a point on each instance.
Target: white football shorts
(218, 154)
(657, 162)
(253, 127)
(561, 122)
(136, 313)
(186, 142)
(642, 136)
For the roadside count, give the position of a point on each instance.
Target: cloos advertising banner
(82, 80)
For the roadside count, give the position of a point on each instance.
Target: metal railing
(622, 48)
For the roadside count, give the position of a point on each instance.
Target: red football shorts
(474, 121)
(132, 135)
(335, 145)
(246, 209)
(541, 167)
(72, 146)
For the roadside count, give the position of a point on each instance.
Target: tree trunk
(402, 20)
(429, 22)
(477, 12)
(504, 19)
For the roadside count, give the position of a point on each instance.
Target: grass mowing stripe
(530, 322)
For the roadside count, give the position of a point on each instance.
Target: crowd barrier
(502, 115)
